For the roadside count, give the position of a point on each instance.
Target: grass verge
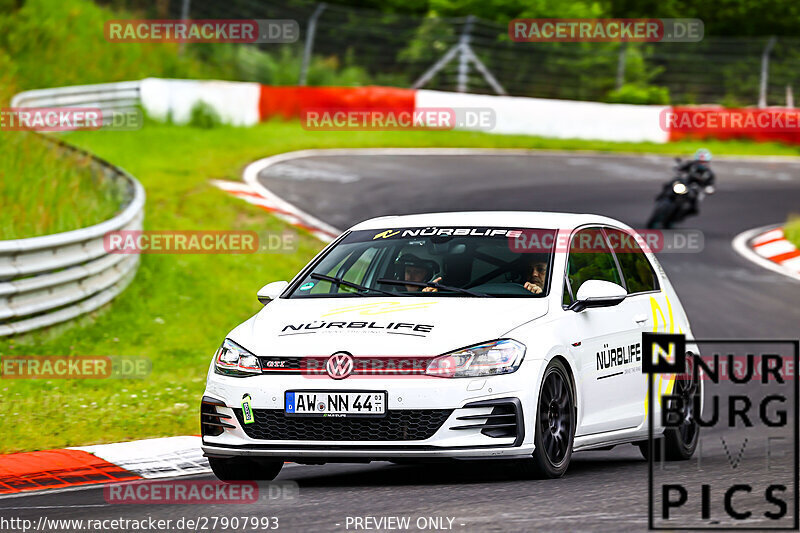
(179, 307)
(791, 230)
(50, 190)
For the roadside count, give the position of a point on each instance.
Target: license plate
(335, 404)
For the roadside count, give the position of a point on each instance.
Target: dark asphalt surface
(724, 295)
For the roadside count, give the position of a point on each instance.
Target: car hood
(382, 326)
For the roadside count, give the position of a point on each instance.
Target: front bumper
(459, 418)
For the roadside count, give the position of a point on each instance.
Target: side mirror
(597, 293)
(270, 291)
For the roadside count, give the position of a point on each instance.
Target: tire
(679, 443)
(662, 214)
(244, 469)
(555, 425)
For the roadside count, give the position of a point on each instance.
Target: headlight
(679, 188)
(488, 359)
(233, 360)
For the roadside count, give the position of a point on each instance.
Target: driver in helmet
(418, 270)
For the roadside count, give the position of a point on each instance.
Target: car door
(609, 349)
(641, 282)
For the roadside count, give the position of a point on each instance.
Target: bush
(282, 67)
(631, 93)
(204, 116)
(639, 75)
(55, 43)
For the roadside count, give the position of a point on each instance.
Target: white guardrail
(108, 97)
(54, 278)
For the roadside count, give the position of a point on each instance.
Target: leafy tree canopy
(735, 18)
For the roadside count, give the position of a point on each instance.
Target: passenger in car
(537, 273)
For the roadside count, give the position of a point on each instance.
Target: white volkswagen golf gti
(475, 335)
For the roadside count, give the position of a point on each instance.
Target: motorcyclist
(699, 178)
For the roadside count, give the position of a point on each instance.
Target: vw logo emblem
(339, 365)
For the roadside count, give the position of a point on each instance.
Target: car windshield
(426, 262)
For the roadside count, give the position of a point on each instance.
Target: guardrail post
(623, 48)
(463, 56)
(762, 91)
(309, 46)
(184, 17)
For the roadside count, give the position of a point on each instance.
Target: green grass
(179, 307)
(50, 192)
(792, 230)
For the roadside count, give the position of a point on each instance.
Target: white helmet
(703, 155)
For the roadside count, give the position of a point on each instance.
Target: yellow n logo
(386, 234)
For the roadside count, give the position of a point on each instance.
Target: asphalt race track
(724, 295)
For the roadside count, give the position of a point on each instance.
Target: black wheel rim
(687, 388)
(555, 417)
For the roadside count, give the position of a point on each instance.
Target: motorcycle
(679, 199)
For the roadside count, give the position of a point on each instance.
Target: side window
(590, 258)
(636, 269)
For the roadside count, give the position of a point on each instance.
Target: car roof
(508, 219)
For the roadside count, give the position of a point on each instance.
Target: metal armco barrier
(50, 279)
(108, 97)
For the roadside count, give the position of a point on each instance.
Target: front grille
(398, 425)
(362, 366)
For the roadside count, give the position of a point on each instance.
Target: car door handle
(640, 319)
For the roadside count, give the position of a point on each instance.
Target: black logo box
(677, 342)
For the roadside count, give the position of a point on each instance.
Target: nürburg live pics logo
(723, 433)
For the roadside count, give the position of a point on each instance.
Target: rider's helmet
(410, 260)
(702, 155)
